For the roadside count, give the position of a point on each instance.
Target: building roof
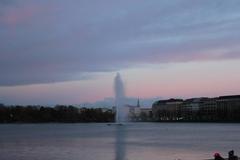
(168, 100)
(229, 97)
(196, 99)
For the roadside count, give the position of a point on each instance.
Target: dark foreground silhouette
(231, 156)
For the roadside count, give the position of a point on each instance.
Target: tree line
(59, 113)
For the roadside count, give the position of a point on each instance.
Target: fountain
(121, 116)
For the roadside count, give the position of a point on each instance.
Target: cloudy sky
(68, 52)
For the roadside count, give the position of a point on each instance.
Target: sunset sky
(68, 52)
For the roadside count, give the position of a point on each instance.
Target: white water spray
(121, 116)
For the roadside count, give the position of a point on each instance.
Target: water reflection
(138, 141)
(120, 146)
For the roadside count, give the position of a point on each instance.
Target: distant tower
(138, 103)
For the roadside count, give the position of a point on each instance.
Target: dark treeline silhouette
(60, 113)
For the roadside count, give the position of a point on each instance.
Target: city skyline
(62, 52)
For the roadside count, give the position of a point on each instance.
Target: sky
(68, 52)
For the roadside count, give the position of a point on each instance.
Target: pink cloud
(20, 14)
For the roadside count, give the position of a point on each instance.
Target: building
(136, 113)
(223, 108)
(228, 107)
(164, 110)
(190, 108)
(208, 109)
(146, 114)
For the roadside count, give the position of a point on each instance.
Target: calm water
(140, 141)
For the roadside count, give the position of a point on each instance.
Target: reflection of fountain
(120, 151)
(121, 116)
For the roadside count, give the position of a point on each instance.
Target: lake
(133, 141)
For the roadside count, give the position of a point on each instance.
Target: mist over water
(121, 115)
